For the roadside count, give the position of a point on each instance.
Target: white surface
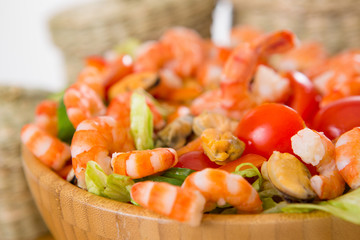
(222, 23)
(27, 56)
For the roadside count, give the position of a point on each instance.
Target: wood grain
(72, 213)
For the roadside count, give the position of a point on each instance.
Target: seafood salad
(184, 127)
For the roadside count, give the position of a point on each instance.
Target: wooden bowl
(72, 213)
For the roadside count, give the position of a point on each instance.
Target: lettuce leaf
(127, 46)
(114, 186)
(95, 178)
(65, 128)
(118, 187)
(346, 207)
(141, 122)
(250, 172)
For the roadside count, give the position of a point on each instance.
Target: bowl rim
(34, 168)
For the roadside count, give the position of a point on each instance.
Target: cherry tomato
(255, 159)
(338, 117)
(269, 127)
(195, 160)
(304, 99)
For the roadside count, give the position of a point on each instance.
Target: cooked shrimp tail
(50, 150)
(221, 187)
(138, 164)
(184, 205)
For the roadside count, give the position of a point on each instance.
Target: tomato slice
(304, 98)
(338, 117)
(269, 127)
(255, 159)
(195, 160)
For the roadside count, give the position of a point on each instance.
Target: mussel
(175, 134)
(290, 176)
(213, 120)
(221, 147)
(142, 80)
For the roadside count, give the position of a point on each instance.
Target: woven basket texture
(336, 24)
(95, 28)
(19, 218)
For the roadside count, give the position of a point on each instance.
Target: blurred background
(43, 44)
(28, 56)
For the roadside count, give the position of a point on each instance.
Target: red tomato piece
(255, 159)
(195, 160)
(304, 98)
(269, 127)
(338, 117)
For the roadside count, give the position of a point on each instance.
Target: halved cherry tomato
(338, 117)
(304, 98)
(269, 127)
(255, 159)
(195, 160)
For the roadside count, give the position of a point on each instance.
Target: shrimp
(93, 78)
(348, 157)
(152, 57)
(184, 205)
(138, 164)
(96, 139)
(119, 108)
(301, 58)
(234, 98)
(338, 77)
(46, 116)
(187, 48)
(209, 72)
(316, 149)
(82, 102)
(242, 63)
(50, 150)
(247, 34)
(268, 86)
(221, 187)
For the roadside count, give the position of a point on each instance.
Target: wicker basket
(97, 27)
(19, 218)
(334, 23)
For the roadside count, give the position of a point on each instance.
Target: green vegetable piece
(346, 207)
(156, 178)
(128, 46)
(118, 187)
(250, 172)
(57, 96)
(178, 173)
(95, 178)
(65, 128)
(164, 110)
(272, 207)
(114, 186)
(141, 122)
